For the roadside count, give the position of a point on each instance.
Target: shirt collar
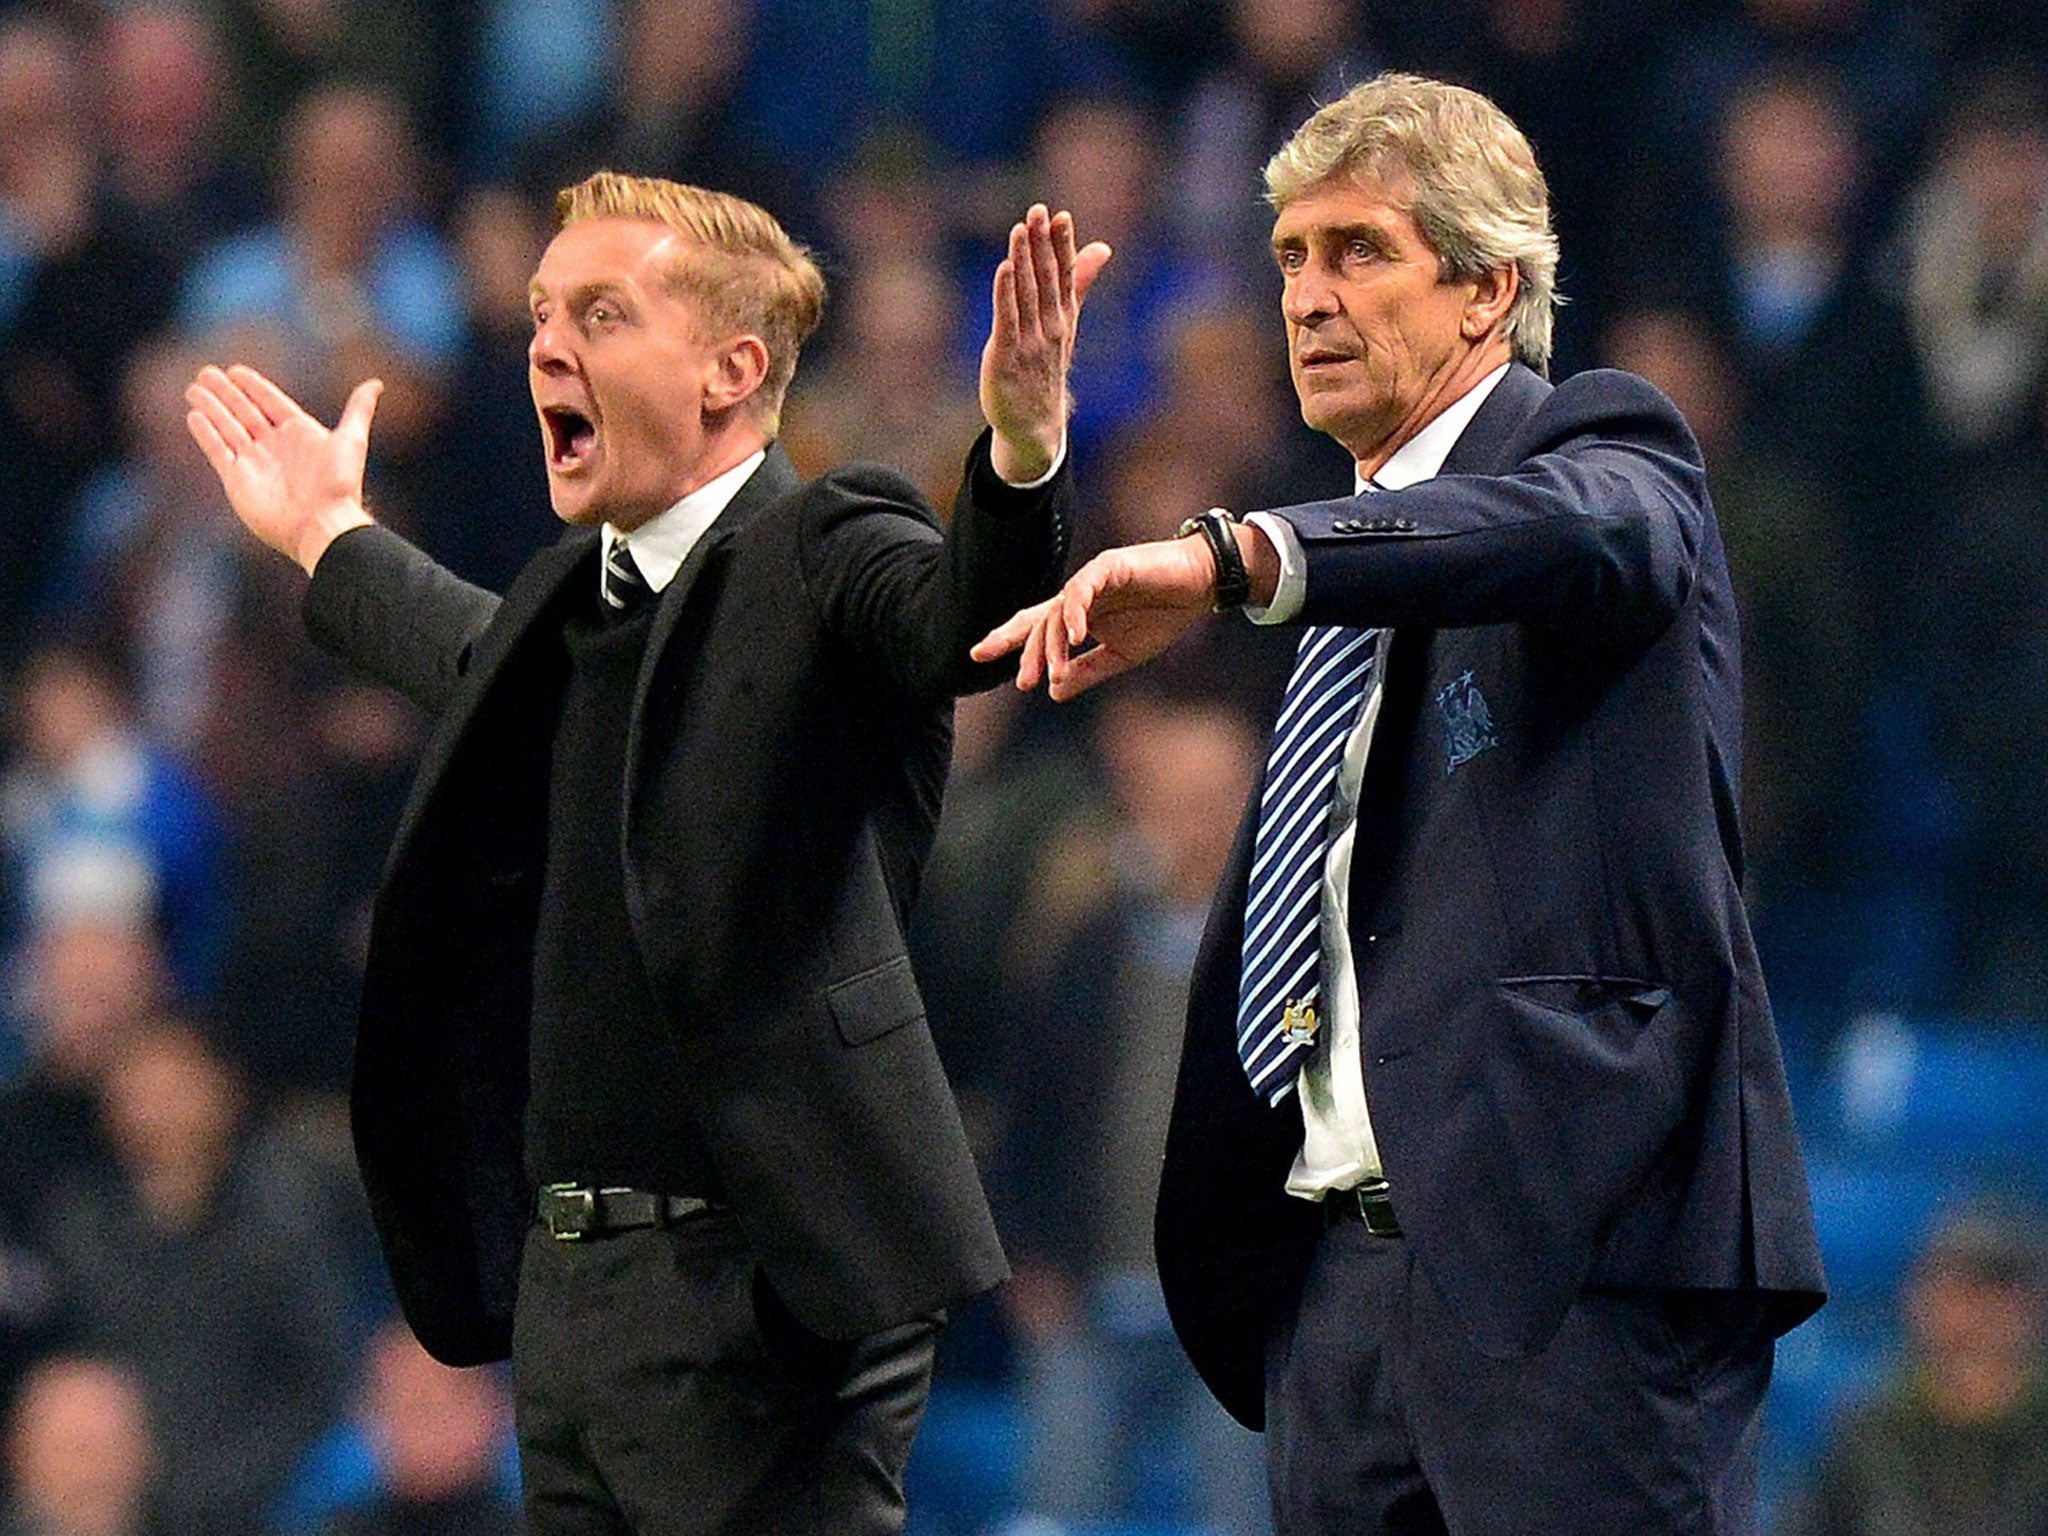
(659, 546)
(1422, 456)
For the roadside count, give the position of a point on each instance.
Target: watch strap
(1233, 581)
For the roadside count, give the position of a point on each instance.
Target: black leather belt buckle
(569, 1211)
(1377, 1212)
(574, 1212)
(1369, 1204)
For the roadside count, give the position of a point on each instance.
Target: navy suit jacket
(1569, 1057)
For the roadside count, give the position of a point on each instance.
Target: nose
(547, 352)
(1307, 295)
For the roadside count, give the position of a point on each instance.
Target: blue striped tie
(1279, 991)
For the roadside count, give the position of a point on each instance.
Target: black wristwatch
(1233, 582)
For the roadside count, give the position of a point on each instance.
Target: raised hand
(296, 484)
(1039, 289)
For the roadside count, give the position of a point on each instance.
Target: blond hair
(742, 270)
(1479, 196)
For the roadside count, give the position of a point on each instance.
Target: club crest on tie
(1298, 1021)
(1468, 723)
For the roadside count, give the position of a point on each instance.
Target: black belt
(1367, 1203)
(573, 1212)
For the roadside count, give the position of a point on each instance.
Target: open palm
(294, 482)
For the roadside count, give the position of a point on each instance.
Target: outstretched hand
(1132, 602)
(296, 484)
(1039, 289)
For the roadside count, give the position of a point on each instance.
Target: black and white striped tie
(625, 589)
(1280, 988)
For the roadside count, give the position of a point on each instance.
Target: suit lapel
(774, 480)
(1483, 448)
(531, 596)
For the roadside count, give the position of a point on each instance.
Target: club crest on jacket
(1468, 724)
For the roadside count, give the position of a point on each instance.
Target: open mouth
(571, 437)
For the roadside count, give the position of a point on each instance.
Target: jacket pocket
(1582, 995)
(1602, 1022)
(869, 1005)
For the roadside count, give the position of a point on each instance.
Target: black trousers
(662, 1389)
(1640, 1419)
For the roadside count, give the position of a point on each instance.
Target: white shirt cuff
(1292, 590)
(1031, 485)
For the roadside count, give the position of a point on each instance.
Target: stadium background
(1820, 225)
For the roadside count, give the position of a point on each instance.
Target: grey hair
(1479, 197)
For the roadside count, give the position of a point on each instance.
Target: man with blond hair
(644, 1094)
(1481, 1192)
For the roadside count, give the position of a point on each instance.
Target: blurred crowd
(1820, 225)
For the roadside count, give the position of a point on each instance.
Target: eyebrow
(1334, 236)
(579, 295)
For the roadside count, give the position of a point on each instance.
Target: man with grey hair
(1481, 1194)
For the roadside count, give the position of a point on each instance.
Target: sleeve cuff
(1045, 479)
(1292, 591)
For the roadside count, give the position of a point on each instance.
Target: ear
(1493, 295)
(737, 373)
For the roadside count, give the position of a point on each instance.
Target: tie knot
(624, 587)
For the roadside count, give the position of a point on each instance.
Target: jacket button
(1404, 525)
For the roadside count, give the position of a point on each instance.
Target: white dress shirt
(659, 546)
(1338, 1150)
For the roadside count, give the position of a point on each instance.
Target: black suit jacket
(1570, 1061)
(789, 739)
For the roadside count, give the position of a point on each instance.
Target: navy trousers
(1640, 1419)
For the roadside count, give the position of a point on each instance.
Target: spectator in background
(96, 819)
(76, 292)
(1226, 426)
(1285, 56)
(888, 392)
(1976, 246)
(1099, 155)
(350, 279)
(669, 112)
(1877, 51)
(535, 68)
(1107, 1393)
(149, 560)
(1954, 1442)
(440, 1441)
(161, 97)
(888, 203)
(300, 887)
(207, 1261)
(81, 1458)
(91, 984)
(1816, 333)
(280, 52)
(1017, 786)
